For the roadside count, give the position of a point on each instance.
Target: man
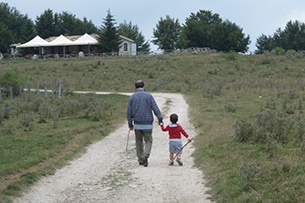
(140, 108)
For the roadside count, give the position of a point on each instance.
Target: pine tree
(109, 41)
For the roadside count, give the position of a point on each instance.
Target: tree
(227, 36)
(182, 40)
(292, 37)
(166, 33)
(109, 40)
(14, 27)
(49, 24)
(88, 27)
(71, 25)
(205, 29)
(68, 24)
(132, 32)
(198, 28)
(264, 43)
(5, 35)
(45, 25)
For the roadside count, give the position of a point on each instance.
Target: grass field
(247, 110)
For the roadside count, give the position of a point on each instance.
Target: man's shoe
(141, 163)
(171, 163)
(145, 162)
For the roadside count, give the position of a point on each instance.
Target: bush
(243, 130)
(279, 51)
(231, 108)
(12, 79)
(231, 56)
(271, 127)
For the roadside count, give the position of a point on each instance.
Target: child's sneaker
(179, 161)
(171, 163)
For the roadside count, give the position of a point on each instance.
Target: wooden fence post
(45, 90)
(37, 88)
(0, 96)
(53, 89)
(11, 93)
(20, 91)
(59, 91)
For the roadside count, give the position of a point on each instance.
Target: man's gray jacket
(140, 108)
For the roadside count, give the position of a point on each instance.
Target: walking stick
(127, 140)
(180, 150)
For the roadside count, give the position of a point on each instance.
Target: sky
(254, 17)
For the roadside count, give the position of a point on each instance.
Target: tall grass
(247, 111)
(41, 134)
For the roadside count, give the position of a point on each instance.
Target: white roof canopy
(35, 42)
(61, 41)
(85, 40)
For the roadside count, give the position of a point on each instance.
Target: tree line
(201, 29)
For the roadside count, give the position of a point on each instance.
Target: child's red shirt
(174, 130)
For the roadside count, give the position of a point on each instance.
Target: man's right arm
(129, 115)
(156, 110)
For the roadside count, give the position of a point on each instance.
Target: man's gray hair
(139, 84)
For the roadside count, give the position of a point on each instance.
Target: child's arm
(189, 139)
(162, 127)
(186, 134)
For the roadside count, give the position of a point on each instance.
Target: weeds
(118, 178)
(231, 108)
(231, 56)
(302, 148)
(243, 130)
(269, 125)
(27, 119)
(248, 172)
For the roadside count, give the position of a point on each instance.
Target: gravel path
(107, 173)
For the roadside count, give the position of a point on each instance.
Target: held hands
(130, 127)
(160, 122)
(189, 140)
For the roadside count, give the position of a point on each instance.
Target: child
(175, 144)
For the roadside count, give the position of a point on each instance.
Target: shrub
(271, 127)
(248, 172)
(12, 79)
(27, 119)
(231, 56)
(231, 108)
(279, 51)
(277, 123)
(243, 130)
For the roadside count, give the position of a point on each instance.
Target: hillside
(247, 111)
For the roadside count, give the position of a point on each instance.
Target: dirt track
(107, 173)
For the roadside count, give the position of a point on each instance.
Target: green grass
(30, 151)
(220, 89)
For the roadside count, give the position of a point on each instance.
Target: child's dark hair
(173, 118)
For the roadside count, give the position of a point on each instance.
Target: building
(72, 45)
(128, 47)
